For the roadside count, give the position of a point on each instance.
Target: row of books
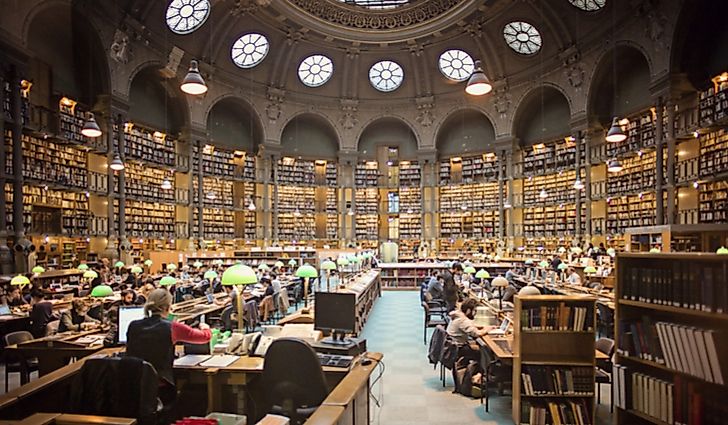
(571, 412)
(553, 381)
(676, 402)
(688, 285)
(687, 349)
(557, 318)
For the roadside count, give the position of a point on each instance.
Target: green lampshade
(543, 263)
(528, 262)
(90, 274)
(482, 274)
(171, 267)
(306, 270)
(83, 267)
(137, 270)
(148, 263)
(722, 251)
(263, 267)
(38, 270)
(278, 264)
(499, 281)
(342, 261)
(469, 270)
(654, 250)
(119, 264)
(611, 252)
(20, 280)
(167, 281)
(210, 274)
(239, 274)
(102, 291)
(576, 250)
(590, 270)
(292, 262)
(197, 264)
(328, 265)
(562, 266)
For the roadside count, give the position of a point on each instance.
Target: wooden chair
(432, 319)
(16, 363)
(602, 372)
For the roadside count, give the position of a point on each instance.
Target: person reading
(77, 318)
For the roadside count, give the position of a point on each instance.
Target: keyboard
(333, 360)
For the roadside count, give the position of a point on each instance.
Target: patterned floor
(410, 391)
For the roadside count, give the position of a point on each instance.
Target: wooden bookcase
(557, 347)
(671, 311)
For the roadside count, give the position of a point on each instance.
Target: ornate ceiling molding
(360, 25)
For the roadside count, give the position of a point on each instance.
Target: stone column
(427, 158)
(501, 194)
(112, 249)
(22, 245)
(200, 195)
(671, 154)
(576, 135)
(6, 255)
(347, 165)
(194, 145)
(659, 143)
(587, 141)
(124, 244)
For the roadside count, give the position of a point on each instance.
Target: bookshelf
(216, 192)
(468, 169)
(295, 172)
(640, 130)
(482, 224)
(713, 207)
(553, 365)
(218, 223)
(549, 157)
(638, 174)
(552, 220)
(670, 325)
(292, 198)
(367, 201)
(410, 226)
(410, 175)
(71, 118)
(24, 105)
(145, 183)
(558, 186)
(410, 200)
(367, 227)
(296, 227)
(713, 153)
(366, 175)
(713, 102)
(630, 211)
(469, 197)
(147, 219)
(147, 145)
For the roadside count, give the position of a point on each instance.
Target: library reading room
(364, 212)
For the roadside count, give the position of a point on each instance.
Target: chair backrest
(606, 314)
(52, 327)
(605, 345)
(17, 337)
(595, 285)
(292, 375)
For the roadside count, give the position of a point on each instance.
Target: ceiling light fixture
(90, 127)
(297, 212)
(478, 84)
(166, 184)
(578, 184)
(251, 205)
(350, 212)
(193, 82)
(506, 204)
(210, 195)
(116, 163)
(543, 194)
(614, 166)
(615, 133)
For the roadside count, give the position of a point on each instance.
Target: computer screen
(335, 311)
(126, 316)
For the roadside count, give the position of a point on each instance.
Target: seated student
(434, 288)
(573, 277)
(510, 274)
(144, 291)
(334, 280)
(462, 327)
(154, 337)
(41, 314)
(127, 297)
(266, 282)
(14, 297)
(76, 319)
(231, 299)
(275, 282)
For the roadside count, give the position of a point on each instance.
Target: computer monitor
(335, 312)
(126, 316)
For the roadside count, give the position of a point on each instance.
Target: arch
(633, 77)
(156, 101)
(465, 130)
(388, 131)
(544, 112)
(231, 121)
(309, 135)
(69, 49)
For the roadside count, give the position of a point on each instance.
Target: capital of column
(427, 155)
(506, 143)
(270, 149)
(348, 157)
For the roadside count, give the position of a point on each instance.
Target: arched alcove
(309, 136)
(620, 86)
(67, 56)
(465, 131)
(388, 131)
(233, 124)
(700, 43)
(156, 102)
(542, 114)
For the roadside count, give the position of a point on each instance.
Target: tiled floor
(410, 391)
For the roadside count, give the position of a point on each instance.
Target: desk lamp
(562, 267)
(654, 250)
(722, 251)
(562, 250)
(167, 281)
(210, 275)
(500, 282)
(119, 264)
(469, 270)
(148, 265)
(497, 258)
(239, 275)
(327, 266)
(38, 270)
(263, 267)
(306, 272)
(278, 265)
(82, 267)
(342, 262)
(102, 291)
(90, 275)
(20, 281)
(543, 263)
(528, 262)
(292, 263)
(136, 270)
(482, 274)
(611, 252)
(576, 250)
(197, 264)
(589, 270)
(171, 267)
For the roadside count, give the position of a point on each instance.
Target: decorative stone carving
(425, 105)
(275, 99)
(352, 52)
(573, 69)
(241, 7)
(339, 13)
(416, 49)
(655, 21)
(349, 108)
(294, 36)
(120, 49)
(173, 61)
(502, 101)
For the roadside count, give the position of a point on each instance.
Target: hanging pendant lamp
(615, 133)
(90, 127)
(166, 184)
(193, 82)
(543, 194)
(578, 184)
(478, 83)
(116, 163)
(614, 166)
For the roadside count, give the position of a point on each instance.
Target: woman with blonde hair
(153, 338)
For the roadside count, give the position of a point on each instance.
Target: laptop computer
(502, 329)
(5, 310)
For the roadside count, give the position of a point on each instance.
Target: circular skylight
(589, 5)
(386, 75)
(456, 65)
(377, 4)
(315, 70)
(523, 37)
(250, 50)
(185, 16)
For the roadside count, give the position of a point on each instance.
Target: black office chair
(494, 371)
(18, 364)
(605, 324)
(433, 317)
(595, 285)
(293, 380)
(602, 373)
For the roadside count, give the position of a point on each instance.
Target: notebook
(191, 360)
(223, 360)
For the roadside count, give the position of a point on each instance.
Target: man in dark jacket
(41, 313)
(449, 285)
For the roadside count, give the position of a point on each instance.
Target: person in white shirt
(275, 282)
(462, 326)
(574, 278)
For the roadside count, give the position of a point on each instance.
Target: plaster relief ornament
(502, 101)
(349, 109)
(120, 49)
(275, 98)
(424, 107)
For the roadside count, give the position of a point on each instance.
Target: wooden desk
(54, 352)
(67, 419)
(326, 415)
(490, 342)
